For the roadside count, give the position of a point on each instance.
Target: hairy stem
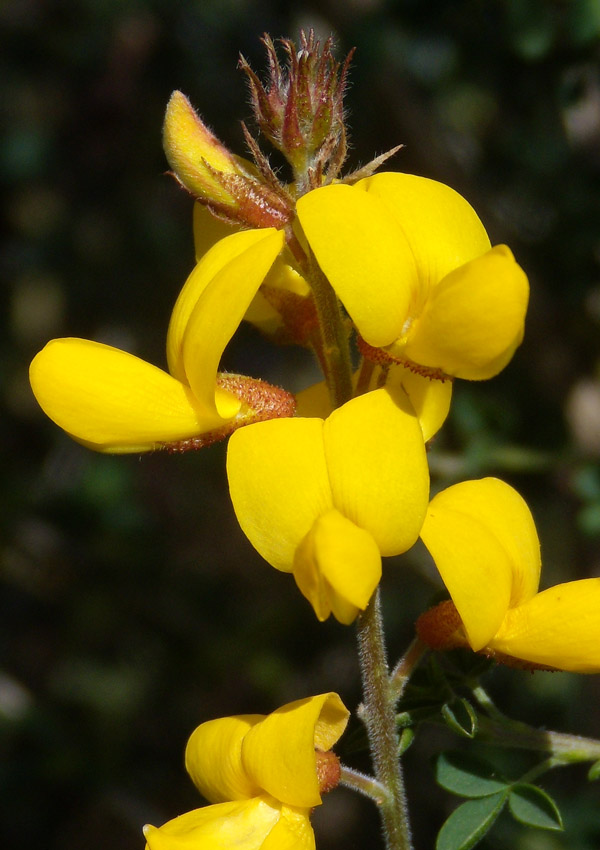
(362, 783)
(405, 668)
(335, 348)
(378, 714)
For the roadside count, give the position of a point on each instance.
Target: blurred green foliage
(132, 608)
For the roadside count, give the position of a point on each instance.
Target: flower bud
(194, 153)
(300, 109)
(205, 167)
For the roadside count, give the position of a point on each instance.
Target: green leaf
(461, 717)
(594, 772)
(533, 806)
(467, 825)
(468, 776)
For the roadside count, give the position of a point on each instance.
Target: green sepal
(407, 736)
(468, 776)
(468, 824)
(594, 772)
(461, 717)
(534, 807)
(416, 716)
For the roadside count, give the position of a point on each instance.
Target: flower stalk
(378, 714)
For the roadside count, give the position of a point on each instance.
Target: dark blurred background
(131, 606)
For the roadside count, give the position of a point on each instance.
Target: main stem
(378, 709)
(379, 716)
(335, 350)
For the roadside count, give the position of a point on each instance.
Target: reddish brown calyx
(383, 357)
(329, 770)
(261, 401)
(441, 627)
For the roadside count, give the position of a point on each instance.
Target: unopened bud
(300, 109)
(205, 167)
(194, 152)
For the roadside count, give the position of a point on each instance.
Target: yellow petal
(483, 540)
(559, 627)
(279, 484)
(365, 256)
(220, 309)
(213, 759)
(244, 825)
(314, 401)
(474, 319)
(279, 751)
(441, 227)
(337, 567)
(291, 832)
(112, 401)
(429, 398)
(282, 278)
(217, 259)
(378, 467)
(208, 230)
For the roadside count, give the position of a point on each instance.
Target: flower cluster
(405, 265)
(394, 272)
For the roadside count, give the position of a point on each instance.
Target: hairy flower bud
(227, 184)
(300, 110)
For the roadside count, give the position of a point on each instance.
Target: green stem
(405, 668)
(378, 714)
(514, 734)
(540, 769)
(335, 348)
(366, 785)
(486, 702)
(500, 729)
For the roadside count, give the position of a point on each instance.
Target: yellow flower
(412, 264)
(483, 540)
(112, 401)
(263, 774)
(326, 499)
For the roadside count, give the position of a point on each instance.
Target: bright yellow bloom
(483, 540)
(112, 401)
(412, 264)
(260, 823)
(326, 499)
(263, 774)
